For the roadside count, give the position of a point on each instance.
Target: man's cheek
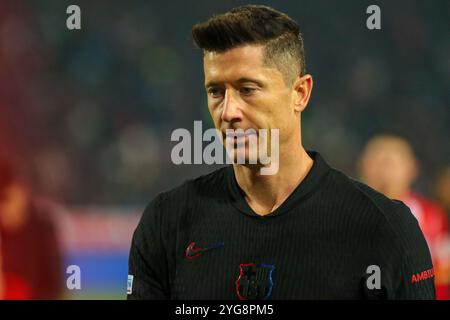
(215, 115)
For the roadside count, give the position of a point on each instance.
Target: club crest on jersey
(255, 281)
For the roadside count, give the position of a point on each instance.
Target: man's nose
(231, 109)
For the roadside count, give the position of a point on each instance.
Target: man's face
(244, 93)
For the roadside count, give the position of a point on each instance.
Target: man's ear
(303, 88)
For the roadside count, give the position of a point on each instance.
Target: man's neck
(265, 193)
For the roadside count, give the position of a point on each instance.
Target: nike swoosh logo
(193, 252)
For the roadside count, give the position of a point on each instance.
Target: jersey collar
(311, 183)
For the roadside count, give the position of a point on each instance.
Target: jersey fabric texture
(333, 238)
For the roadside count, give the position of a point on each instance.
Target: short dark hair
(256, 24)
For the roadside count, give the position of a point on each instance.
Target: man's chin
(242, 157)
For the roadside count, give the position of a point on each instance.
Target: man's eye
(214, 92)
(247, 90)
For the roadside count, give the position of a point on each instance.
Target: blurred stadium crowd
(86, 116)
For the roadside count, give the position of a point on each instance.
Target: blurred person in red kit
(12, 287)
(388, 164)
(30, 259)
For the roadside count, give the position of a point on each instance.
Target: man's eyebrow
(211, 84)
(239, 81)
(244, 79)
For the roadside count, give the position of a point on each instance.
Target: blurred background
(86, 116)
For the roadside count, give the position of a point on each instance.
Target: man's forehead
(249, 55)
(237, 62)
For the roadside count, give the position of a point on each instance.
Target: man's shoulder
(388, 213)
(204, 187)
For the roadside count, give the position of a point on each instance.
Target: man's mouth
(239, 135)
(241, 139)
